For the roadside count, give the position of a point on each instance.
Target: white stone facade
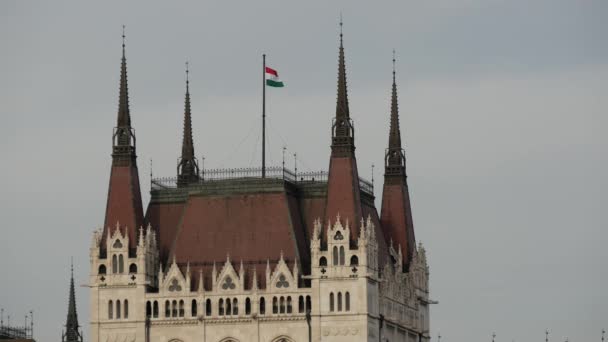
(350, 296)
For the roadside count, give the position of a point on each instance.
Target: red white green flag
(272, 78)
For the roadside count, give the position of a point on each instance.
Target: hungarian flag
(272, 78)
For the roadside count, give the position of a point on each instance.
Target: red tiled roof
(124, 203)
(397, 220)
(343, 194)
(164, 219)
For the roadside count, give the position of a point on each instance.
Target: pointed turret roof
(395, 158)
(188, 166)
(343, 192)
(343, 133)
(124, 117)
(396, 213)
(124, 205)
(342, 110)
(124, 137)
(72, 332)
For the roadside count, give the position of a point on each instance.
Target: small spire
(123, 140)
(342, 128)
(72, 333)
(395, 157)
(342, 110)
(124, 117)
(187, 168)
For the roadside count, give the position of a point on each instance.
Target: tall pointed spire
(124, 117)
(343, 191)
(394, 158)
(342, 130)
(187, 169)
(72, 332)
(124, 136)
(124, 205)
(396, 214)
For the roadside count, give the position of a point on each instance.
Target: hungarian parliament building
(242, 255)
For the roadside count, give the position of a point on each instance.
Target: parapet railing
(15, 332)
(211, 176)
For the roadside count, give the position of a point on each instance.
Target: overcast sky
(503, 109)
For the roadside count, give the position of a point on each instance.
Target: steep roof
(396, 215)
(72, 331)
(124, 206)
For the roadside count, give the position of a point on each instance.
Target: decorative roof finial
(393, 65)
(395, 157)
(187, 169)
(187, 76)
(341, 24)
(72, 332)
(124, 117)
(342, 128)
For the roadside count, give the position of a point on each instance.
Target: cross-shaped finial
(123, 35)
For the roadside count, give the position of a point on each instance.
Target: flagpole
(263, 115)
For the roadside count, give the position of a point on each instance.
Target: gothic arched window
(275, 305)
(331, 302)
(121, 264)
(174, 308)
(208, 307)
(339, 301)
(118, 309)
(167, 309)
(126, 308)
(289, 308)
(181, 308)
(193, 308)
(221, 307)
(341, 255)
(228, 307)
(301, 304)
(148, 309)
(335, 256)
(133, 268)
(114, 264)
(155, 309)
(102, 270)
(308, 303)
(322, 261)
(347, 301)
(354, 260)
(235, 306)
(262, 306)
(110, 310)
(247, 306)
(282, 305)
